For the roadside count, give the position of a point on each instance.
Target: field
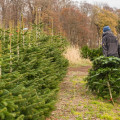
(47, 48)
(75, 101)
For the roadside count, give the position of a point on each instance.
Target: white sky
(111, 3)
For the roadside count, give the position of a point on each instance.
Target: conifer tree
(29, 91)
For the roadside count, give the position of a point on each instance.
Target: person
(109, 43)
(119, 50)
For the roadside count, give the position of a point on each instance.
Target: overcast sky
(111, 3)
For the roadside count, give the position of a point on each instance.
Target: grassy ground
(75, 102)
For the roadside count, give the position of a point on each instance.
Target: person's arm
(104, 46)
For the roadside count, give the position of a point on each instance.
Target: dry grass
(73, 55)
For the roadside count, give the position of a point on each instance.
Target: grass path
(75, 102)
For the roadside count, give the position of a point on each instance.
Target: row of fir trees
(31, 68)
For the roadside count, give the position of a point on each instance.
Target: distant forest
(81, 23)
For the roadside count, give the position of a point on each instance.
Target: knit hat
(106, 28)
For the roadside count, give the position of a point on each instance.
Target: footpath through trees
(75, 102)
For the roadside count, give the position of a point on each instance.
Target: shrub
(104, 77)
(85, 51)
(91, 53)
(30, 80)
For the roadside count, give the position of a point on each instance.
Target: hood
(108, 33)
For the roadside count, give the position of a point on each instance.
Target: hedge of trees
(31, 68)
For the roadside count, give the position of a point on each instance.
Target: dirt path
(79, 69)
(75, 102)
(70, 95)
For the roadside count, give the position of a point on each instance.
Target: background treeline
(81, 23)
